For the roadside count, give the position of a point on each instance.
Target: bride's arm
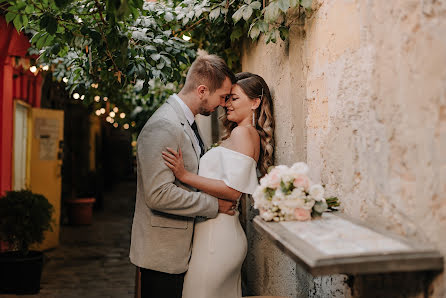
(214, 187)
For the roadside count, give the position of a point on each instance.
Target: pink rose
(301, 181)
(274, 179)
(302, 214)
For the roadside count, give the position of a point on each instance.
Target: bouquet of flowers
(288, 194)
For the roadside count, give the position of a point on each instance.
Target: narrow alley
(92, 261)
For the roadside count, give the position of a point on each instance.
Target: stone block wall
(360, 95)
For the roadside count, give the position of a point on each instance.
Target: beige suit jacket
(165, 208)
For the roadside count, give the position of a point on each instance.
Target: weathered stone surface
(335, 244)
(360, 95)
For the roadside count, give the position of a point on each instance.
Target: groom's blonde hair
(208, 70)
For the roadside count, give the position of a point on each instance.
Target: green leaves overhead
(116, 43)
(271, 20)
(113, 42)
(246, 10)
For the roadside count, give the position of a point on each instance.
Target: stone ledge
(336, 244)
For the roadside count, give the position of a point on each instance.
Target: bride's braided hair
(255, 86)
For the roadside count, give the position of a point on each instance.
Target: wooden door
(20, 168)
(46, 164)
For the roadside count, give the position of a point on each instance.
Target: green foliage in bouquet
(333, 203)
(270, 193)
(24, 217)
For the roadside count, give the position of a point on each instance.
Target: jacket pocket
(164, 220)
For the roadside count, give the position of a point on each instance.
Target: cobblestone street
(92, 261)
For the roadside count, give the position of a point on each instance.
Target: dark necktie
(197, 134)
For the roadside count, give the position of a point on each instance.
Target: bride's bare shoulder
(241, 140)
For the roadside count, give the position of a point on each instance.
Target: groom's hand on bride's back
(227, 207)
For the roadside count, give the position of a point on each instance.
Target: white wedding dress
(219, 244)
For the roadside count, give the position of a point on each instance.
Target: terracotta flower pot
(80, 211)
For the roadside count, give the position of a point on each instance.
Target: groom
(165, 208)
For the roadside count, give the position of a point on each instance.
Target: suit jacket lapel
(186, 126)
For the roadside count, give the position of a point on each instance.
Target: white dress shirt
(189, 116)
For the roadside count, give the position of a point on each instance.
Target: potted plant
(24, 217)
(80, 206)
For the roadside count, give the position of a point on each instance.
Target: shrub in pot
(24, 217)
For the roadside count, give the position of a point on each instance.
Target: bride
(227, 171)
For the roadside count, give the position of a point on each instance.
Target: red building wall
(15, 83)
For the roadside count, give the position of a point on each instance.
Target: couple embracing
(186, 236)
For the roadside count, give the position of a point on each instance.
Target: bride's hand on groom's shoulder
(226, 207)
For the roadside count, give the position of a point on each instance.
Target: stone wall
(360, 95)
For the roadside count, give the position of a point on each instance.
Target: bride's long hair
(254, 87)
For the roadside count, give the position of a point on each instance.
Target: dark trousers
(155, 284)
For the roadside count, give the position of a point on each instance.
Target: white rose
(308, 203)
(267, 215)
(317, 192)
(286, 210)
(278, 195)
(300, 168)
(264, 181)
(263, 204)
(288, 175)
(259, 193)
(293, 204)
(296, 194)
(280, 168)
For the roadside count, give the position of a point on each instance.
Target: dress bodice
(237, 170)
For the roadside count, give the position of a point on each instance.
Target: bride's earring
(253, 118)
